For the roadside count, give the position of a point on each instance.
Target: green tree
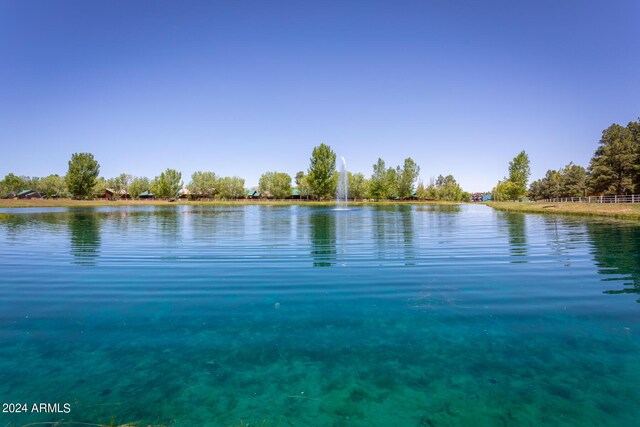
(275, 184)
(335, 180)
(82, 174)
(53, 186)
(429, 192)
(407, 176)
(160, 187)
(447, 188)
(203, 184)
(391, 179)
(357, 185)
(100, 187)
(299, 177)
(138, 186)
(614, 165)
(506, 190)
(321, 169)
(167, 184)
(512, 191)
(378, 181)
(120, 183)
(421, 191)
(551, 184)
(569, 181)
(31, 182)
(303, 186)
(11, 184)
(573, 180)
(111, 184)
(519, 173)
(230, 187)
(634, 128)
(536, 190)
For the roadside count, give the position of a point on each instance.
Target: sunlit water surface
(300, 316)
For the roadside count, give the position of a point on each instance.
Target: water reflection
(276, 224)
(442, 220)
(205, 223)
(439, 208)
(323, 238)
(616, 251)
(15, 224)
(84, 231)
(378, 230)
(516, 224)
(168, 223)
(564, 236)
(399, 234)
(406, 225)
(393, 232)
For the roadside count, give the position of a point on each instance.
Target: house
(480, 197)
(108, 194)
(28, 194)
(146, 195)
(252, 194)
(295, 194)
(111, 194)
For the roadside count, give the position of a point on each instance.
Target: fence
(630, 198)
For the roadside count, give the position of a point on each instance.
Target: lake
(304, 316)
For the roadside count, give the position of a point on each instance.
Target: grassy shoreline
(602, 210)
(606, 210)
(57, 203)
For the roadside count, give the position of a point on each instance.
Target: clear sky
(244, 87)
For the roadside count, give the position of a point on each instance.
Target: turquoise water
(300, 316)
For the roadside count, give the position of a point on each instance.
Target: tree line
(613, 169)
(319, 181)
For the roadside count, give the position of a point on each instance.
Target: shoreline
(594, 210)
(69, 203)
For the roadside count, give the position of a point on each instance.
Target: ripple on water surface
(421, 315)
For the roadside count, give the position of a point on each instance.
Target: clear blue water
(300, 316)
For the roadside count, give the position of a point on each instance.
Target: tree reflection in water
(84, 231)
(323, 238)
(616, 251)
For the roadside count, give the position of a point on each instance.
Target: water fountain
(342, 192)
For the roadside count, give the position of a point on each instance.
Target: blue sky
(243, 87)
